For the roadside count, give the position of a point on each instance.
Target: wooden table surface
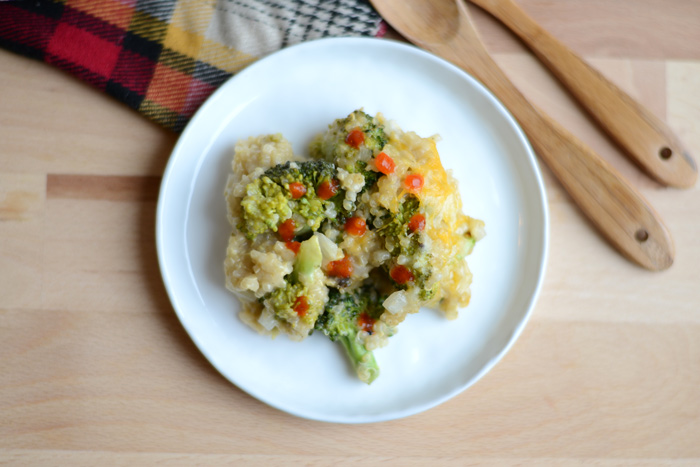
(95, 367)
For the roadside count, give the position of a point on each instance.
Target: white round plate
(298, 92)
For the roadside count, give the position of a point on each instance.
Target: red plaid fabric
(164, 58)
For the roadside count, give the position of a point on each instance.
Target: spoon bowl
(413, 16)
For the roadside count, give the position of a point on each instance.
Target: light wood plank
(80, 380)
(101, 255)
(21, 266)
(22, 203)
(22, 196)
(683, 91)
(90, 458)
(100, 187)
(586, 280)
(53, 123)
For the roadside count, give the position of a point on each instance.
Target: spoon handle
(616, 208)
(644, 137)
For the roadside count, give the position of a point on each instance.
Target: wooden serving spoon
(623, 216)
(643, 136)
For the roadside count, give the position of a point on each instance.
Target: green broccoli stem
(362, 359)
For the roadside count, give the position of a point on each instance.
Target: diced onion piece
(329, 250)
(380, 257)
(396, 302)
(267, 320)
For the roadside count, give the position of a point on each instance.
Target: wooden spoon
(616, 208)
(643, 136)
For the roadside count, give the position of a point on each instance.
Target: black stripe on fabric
(22, 49)
(163, 10)
(177, 61)
(209, 73)
(94, 25)
(142, 46)
(159, 114)
(46, 8)
(148, 27)
(179, 123)
(126, 95)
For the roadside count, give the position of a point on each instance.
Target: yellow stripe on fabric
(188, 25)
(183, 41)
(224, 58)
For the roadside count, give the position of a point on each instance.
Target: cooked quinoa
(349, 239)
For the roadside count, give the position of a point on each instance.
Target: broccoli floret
(394, 228)
(311, 172)
(422, 271)
(275, 197)
(264, 207)
(334, 146)
(371, 300)
(396, 224)
(344, 210)
(375, 137)
(343, 318)
(371, 176)
(291, 305)
(282, 300)
(367, 139)
(340, 315)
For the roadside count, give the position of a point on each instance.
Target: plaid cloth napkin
(165, 57)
